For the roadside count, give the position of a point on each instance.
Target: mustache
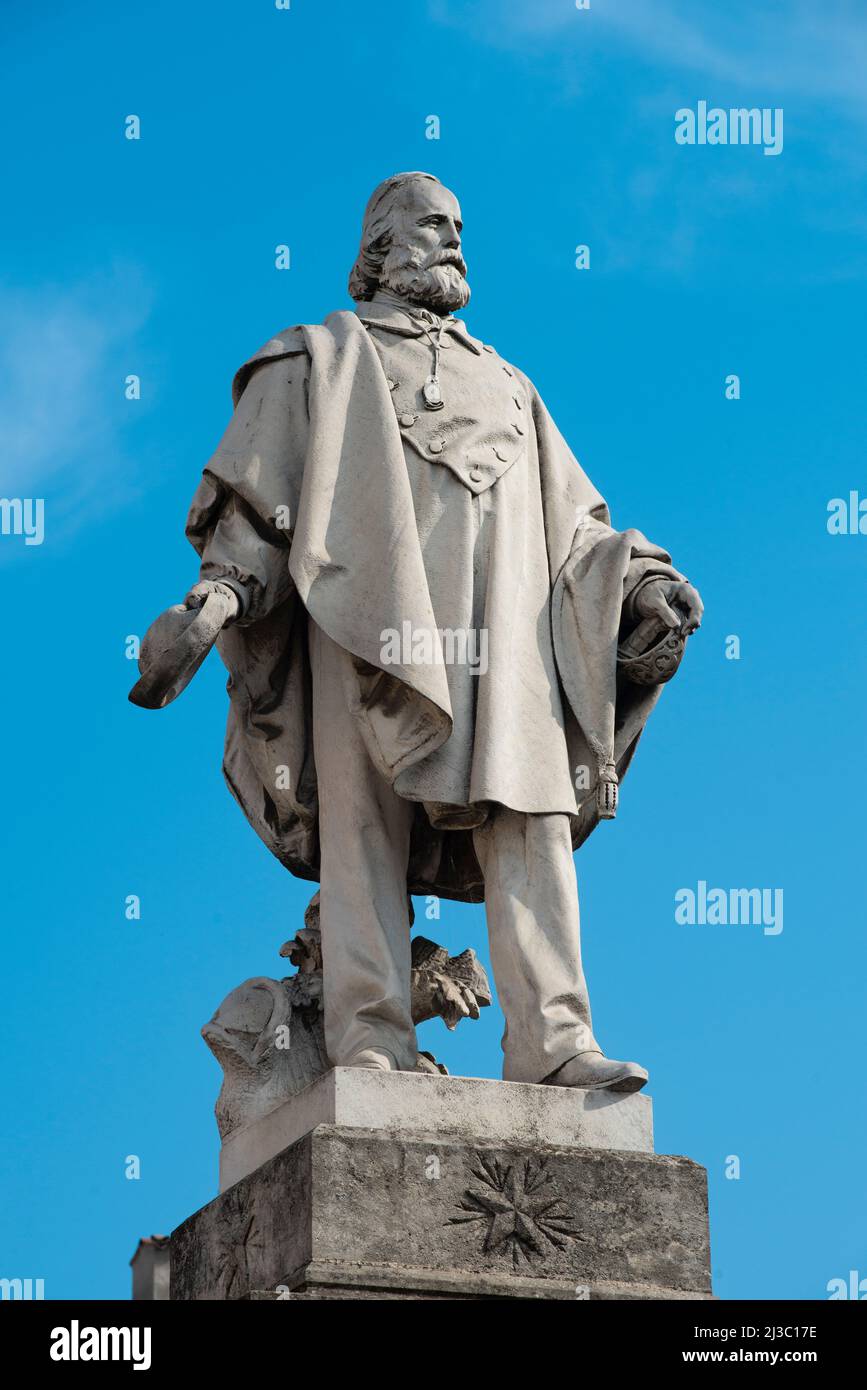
(448, 258)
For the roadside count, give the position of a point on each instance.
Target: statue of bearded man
(441, 654)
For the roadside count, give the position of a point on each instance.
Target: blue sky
(156, 257)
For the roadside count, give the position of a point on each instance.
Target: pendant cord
(435, 344)
(431, 390)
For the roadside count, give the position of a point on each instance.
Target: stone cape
(286, 508)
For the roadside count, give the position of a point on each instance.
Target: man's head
(411, 245)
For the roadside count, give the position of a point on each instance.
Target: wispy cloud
(799, 47)
(63, 360)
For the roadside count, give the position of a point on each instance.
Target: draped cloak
(308, 509)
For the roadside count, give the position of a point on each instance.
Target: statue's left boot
(592, 1071)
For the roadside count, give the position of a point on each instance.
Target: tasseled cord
(606, 792)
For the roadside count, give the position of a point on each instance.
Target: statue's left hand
(674, 602)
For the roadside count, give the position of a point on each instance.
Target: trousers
(531, 904)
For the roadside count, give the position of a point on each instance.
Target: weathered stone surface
(353, 1213)
(468, 1107)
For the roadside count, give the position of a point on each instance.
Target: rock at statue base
(438, 1210)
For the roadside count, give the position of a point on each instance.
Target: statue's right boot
(591, 1071)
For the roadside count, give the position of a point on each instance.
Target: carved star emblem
(522, 1220)
(239, 1238)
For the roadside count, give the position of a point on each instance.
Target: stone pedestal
(414, 1187)
(397, 1103)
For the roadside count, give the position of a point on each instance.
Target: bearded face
(411, 245)
(434, 279)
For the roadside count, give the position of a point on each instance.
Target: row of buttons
(409, 420)
(436, 446)
(476, 473)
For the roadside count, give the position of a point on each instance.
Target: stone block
(396, 1103)
(348, 1212)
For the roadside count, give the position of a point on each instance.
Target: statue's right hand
(199, 592)
(177, 642)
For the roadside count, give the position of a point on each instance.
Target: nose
(452, 238)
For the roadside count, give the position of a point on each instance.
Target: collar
(395, 315)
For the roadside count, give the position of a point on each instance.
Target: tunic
(478, 507)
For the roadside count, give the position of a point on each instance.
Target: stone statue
(441, 655)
